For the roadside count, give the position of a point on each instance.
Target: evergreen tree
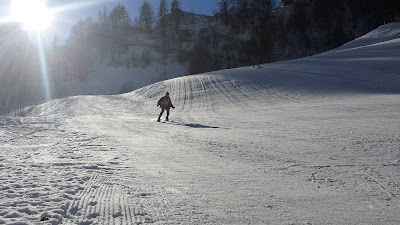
(120, 21)
(261, 10)
(120, 30)
(243, 11)
(162, 15)
(162, 26)
(223, 11)
(77, 32)
(146, 18)
(103, 42)
(223, 6)
(227, 11)
(176, 14)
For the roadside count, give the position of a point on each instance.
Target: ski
(165, 121)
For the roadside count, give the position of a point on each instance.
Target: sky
(202, 7)
(70, 11)
(67, 18)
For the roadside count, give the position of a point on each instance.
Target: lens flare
(43, 68)
(35, 17)
(33, 14)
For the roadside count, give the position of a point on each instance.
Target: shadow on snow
(196, 125)
(193, 125)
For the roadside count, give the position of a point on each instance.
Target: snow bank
(387, 32)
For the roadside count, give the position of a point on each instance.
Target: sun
(34, 15)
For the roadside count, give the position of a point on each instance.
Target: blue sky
(198, 6)
(81, 9)
(66, 18)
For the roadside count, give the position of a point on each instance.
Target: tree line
(240, 33)
(108, 37)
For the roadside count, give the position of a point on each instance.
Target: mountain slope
(309, 141)
(369, 68)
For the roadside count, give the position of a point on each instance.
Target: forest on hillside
(240, 33)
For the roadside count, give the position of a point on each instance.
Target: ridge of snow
(384, 33)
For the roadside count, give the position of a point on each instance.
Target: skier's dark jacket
(165, 102)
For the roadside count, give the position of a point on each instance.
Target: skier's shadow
(196, 125)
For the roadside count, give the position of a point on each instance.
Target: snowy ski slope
(308, 141)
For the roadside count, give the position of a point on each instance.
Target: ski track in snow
(291, 143)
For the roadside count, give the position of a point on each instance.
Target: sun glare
(33, 14)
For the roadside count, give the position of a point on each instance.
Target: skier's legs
(159, 117)
(167, 114)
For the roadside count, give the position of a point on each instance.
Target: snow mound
(387, 32)
(366, 68)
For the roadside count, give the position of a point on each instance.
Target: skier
(165, 104)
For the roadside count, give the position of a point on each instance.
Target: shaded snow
(388, 32)
(308, 141)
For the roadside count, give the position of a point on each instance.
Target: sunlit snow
(308, 141)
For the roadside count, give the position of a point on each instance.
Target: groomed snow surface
(309, 141)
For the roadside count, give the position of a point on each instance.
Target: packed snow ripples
(338, 72)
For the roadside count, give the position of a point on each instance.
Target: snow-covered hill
(308, 141)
